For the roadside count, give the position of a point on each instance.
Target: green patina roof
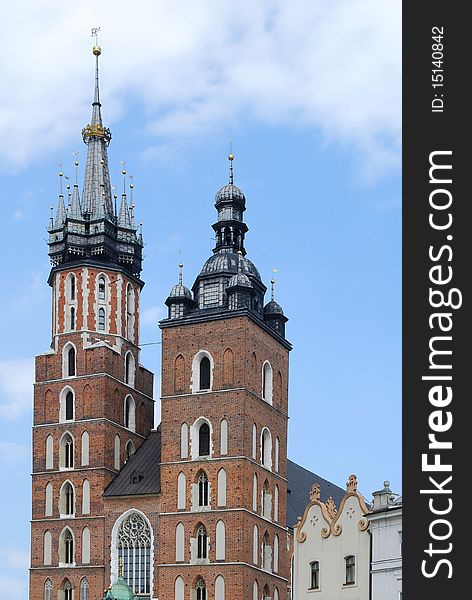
(120, 590)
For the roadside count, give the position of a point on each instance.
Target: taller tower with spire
(93, 403)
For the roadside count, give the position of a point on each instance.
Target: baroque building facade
(202, 506)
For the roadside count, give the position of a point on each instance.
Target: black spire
(90, 229)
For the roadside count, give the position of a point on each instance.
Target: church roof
(300, 481)
(142, 472)
(142, 475)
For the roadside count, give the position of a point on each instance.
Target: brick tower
(222, 524)
(93, 403)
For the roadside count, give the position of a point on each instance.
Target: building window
(204, 440)
(72, 287)
(266, 501)
(71, 362)
(205, 373)
(201, 590)
(350, 562)
(67, 452)
(48, 589)
(266, 552)
(267, 382)
(134, 553)
(101, 289)
(129, 369)
(203, 490)
(202, 542)
(101, 319)
(67, 499)
(69, 406)
(130, 413)
(67, 591)
(130, 312)
(314, 575)
(67, 550)
(84, 589)
(72, 318)
(266, 448)
(129, 449)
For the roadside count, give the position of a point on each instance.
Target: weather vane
(95, 31)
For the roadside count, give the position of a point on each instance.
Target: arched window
(202, 489)
(228, 368)
(255, 545)
(184, 440)
(130, 413)
(129, 369)
(266, 552)
(66, 547)
(277, 450)
(220, 541)
(255, 590)
(224, 437)
(86, 546)
(70, 360)
(134, 552)
(67, 590)
(276, 594)
(350, 563)
(48, 589)
(130, 312)
(266, 500)
(202, 542)
(202, 372)
(102, 289)
(266, 448)
(266, 593)
(72, 318)
(205, 373)
(69, 406)
(84, 589)
(314, 575)
(85, 449)
(48, 500)
(276, 503)
(221, 500)
(86, 497)
(204, 440)
(67, 500)
(181, 491)
(66, 453)
(47, 548)
(116, 458)
(254, 441)
(254, 493)
(179, 373)
(129, 449)
(49, 452)
(267, 382)
(179, 542)
(179, 588)
(201, 590)
(276, 553)
(101, 319)
(219, 588)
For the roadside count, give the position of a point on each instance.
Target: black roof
(142, 475)
(142, 472)
(300, 481)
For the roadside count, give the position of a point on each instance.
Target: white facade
(386, 529)
(332, 548)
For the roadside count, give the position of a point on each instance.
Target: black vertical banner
(437, 310)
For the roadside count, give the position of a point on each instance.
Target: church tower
(222, 524)
(93, 403)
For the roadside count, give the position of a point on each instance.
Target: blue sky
(309, 94)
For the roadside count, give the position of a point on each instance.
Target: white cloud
(16, 387)
(204, 65)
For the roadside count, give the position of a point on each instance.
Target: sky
(309, 94)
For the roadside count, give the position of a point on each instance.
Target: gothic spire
(97, 188)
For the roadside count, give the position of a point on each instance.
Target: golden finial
(96, 49)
